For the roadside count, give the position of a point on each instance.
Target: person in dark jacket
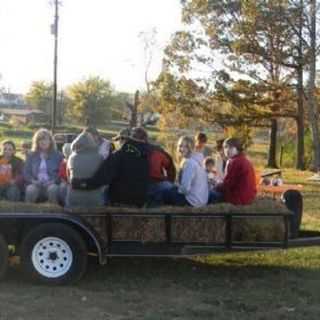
(126, 171)
(162, 171)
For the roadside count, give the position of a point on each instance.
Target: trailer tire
(4, 255)
(294, 202)
(54, 253)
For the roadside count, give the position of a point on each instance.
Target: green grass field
(281, 284)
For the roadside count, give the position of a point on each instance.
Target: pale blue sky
(97, 37)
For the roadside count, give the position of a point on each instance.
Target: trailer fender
(73, 220)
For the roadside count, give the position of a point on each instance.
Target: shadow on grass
(135, 270)
(200, 272)
(245, 286)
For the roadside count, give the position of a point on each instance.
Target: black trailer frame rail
(169, 247)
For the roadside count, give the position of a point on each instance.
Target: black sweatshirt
(126, 172)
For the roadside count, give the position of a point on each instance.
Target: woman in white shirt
(192, 189)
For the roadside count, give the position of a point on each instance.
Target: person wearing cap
(162, 171)
(122, 137)
(104, 146)
(239, 184)
(126, 171)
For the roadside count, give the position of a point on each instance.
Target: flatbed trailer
(54, 247)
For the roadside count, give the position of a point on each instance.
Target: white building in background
(12, 100)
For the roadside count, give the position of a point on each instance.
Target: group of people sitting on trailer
(91, 173)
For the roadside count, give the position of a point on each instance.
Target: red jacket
(161, 166)
(63, 171)
(239, 184)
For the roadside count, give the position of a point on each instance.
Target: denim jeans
(10, 192)
(174, 198)
(156, 191)
(35, 193)
(215, 197)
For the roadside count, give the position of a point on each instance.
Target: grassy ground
(257, 285)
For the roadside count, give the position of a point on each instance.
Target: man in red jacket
(239, 184)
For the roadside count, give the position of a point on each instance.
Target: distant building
(23, 116)
(12, 100)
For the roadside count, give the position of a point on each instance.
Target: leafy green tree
(256, 42)
(40, 95)
(119, 105)
(90, 101)
(180, 100)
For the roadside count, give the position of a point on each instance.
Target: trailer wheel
(294, 202)
(54, 253)
(4, 254)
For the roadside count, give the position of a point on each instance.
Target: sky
(96, 38)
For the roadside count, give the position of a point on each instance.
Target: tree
(182, 99)
(119, 105)
(133, 109)
(147, 98)
(302, 19)
(40, 96)
(256, 42)
(313, 110)
(90, 101)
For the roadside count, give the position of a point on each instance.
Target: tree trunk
(272, 155)
(300, 165)
(134, 111)
(313, 113)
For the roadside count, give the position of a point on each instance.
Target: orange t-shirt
(5, 171)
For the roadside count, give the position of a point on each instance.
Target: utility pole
(54, 31)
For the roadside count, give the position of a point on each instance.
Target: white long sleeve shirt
(194, 182)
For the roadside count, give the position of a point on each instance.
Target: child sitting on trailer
(213, 179)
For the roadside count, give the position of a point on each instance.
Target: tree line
(92, 101)
(245, 64)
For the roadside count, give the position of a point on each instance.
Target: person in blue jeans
(42, 168)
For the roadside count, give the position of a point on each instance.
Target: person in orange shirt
(11, 177)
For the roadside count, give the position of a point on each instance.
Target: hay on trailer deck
(24, 207)
(191, 229)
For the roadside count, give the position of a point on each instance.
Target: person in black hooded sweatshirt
(126, 172)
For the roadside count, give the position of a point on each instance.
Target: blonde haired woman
(192, 189)
(41, 168)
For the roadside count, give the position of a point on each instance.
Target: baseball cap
(139, 134)
(123, 134)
